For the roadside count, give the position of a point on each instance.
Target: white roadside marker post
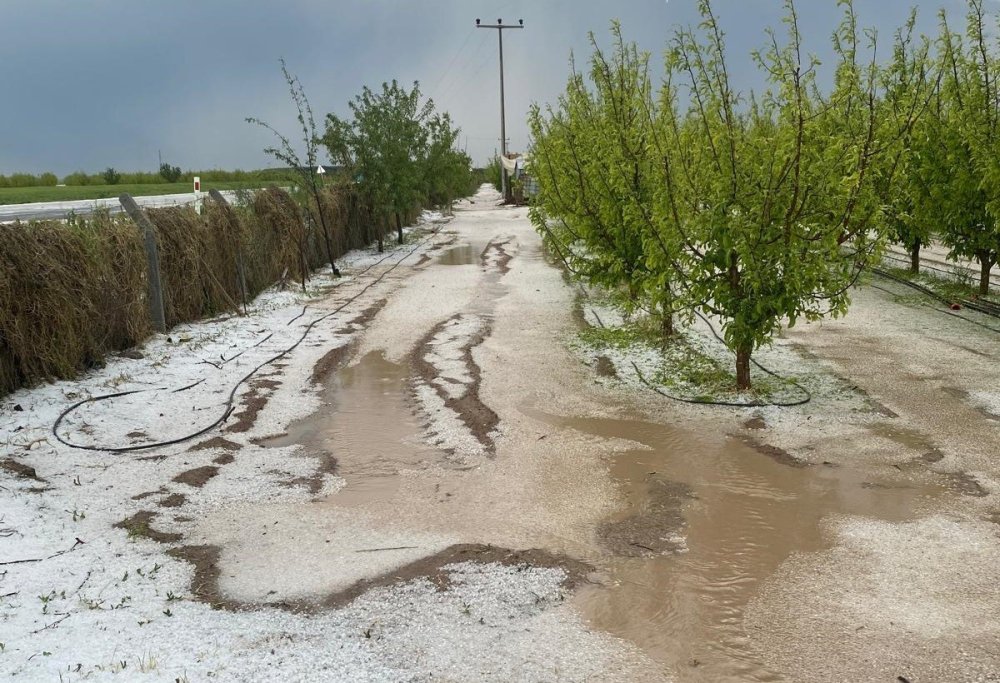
(197, 194)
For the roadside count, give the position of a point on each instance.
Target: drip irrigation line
(939, 310)
(231, 398)
(928, 264)
(985, 308)
(729, 404)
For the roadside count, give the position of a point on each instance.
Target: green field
(27, 195)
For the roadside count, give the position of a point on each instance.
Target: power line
(448, 68)
(500, 27)
(461, 75)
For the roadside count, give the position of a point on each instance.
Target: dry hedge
(72, 292)
(69, 293)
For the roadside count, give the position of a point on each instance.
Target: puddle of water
(459, 256)
(369, 429)
(745, 514)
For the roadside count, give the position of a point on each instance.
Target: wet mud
(458, 256)
(367, 434)
(140, 525)
(605, 368)
(498, 255)
(252, 403)
(198, 476)
(216, 442)
(726, 517)
(206, 562)
(464, 401)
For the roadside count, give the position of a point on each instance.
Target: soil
(336, 358)
(197, 477)
(777, 454)
(206, 558)
(174, 500)
(966, 484)
(260, 392)
(140, 524)
(216, 442)
(965, 397)
(478, 417)
(657, 529)
(146, 494)
(503, 256)
(19, 469)
(605, 368)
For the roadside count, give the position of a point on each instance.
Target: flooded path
(368, 428)
(743, 513)
(700, 520)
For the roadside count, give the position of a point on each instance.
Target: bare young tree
(306, 168)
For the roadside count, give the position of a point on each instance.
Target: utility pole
(500, 27)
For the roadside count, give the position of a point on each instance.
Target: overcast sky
(88, 84)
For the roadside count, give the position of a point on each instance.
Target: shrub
(170, 173)
(111, 176)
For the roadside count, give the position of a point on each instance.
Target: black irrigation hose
(230, 400)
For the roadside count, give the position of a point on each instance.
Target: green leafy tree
(597, 181)
(760, 209)
(303, 167)
(971, 93)
(911, 82)
(446, 171)
(383, 145)
(111, 176)
(776, 197)
(169, 173)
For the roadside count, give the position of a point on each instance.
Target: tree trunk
(915, 257)
(985, 264)
(743, 368)
(666, 324)
(399, 228)
(329, 252)
(667, 314)
(381, 236)
(303, 264)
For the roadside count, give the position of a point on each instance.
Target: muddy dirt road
(436, 487)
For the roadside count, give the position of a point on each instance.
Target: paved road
(59, 210)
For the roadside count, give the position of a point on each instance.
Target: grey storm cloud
(95, 83)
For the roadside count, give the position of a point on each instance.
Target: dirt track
(436, 485)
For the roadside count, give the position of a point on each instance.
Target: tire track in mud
(447, 383)
(447, 380)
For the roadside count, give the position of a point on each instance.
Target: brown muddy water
(459, 256)
(368, 427)
(704, 519)
(742, 514)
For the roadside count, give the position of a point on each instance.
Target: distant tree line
(166, 174)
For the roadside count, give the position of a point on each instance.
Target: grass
(29, 195)
(684, 368)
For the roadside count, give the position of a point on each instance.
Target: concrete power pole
(500, 27)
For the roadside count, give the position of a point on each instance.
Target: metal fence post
(156, 310)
